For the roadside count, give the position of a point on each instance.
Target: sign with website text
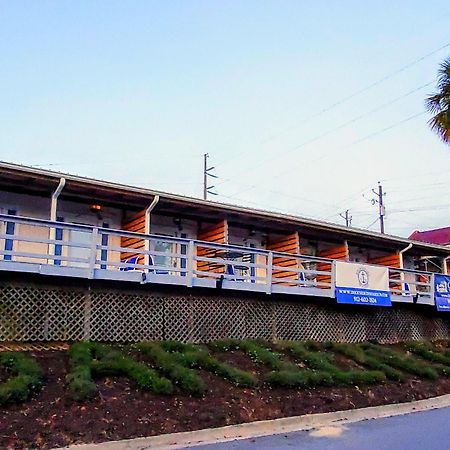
(362, 284)
(442, 292)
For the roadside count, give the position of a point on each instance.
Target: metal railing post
(93, 252)
(190, 264)
(333, 278)
(269, 273)
(432, 284)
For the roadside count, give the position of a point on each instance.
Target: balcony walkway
(80, 251)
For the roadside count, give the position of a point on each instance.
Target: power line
(420, 208)
(360, 91)
(372, 223)
(339, 127)
(352, 144)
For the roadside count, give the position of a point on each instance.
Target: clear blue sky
(137, 91)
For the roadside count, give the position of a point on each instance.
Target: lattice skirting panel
(44, 313)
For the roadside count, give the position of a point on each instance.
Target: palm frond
(438, 104)
(440, 124)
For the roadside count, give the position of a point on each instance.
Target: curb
(266, 427)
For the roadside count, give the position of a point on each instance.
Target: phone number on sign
(364, 299)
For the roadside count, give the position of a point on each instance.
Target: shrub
(256, 351)
(186, 378)
(197, 357)
(323, 362)
(298, 378)
(399, 361)
(423, 349)
(355, 352)
(26, 377)
(90, 359)
(225, 345)
(79, 378)
(239, 377)
(284, 373)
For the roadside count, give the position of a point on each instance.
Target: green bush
(284, 373)
(323, 362)
(79, 378)
(25, 377)
(399, 361)
(298, 378)
(196, 357)
(88, 360)
(423, 349)
(225, 345)
(186, 378)
(256, 351)
(355, 352)
(239, 377)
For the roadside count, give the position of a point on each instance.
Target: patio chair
(131, 260)
(230, 271)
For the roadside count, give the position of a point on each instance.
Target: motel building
(83, 258)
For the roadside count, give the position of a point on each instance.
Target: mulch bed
(52, 419)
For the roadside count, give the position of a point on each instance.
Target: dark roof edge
(224, 206)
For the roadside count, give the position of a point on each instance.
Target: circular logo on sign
(363, 276)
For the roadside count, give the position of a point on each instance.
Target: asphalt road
(416, 431)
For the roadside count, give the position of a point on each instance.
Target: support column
(54, 216)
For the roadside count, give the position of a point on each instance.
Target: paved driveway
(416, 431)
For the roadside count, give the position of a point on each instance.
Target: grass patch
(25, 377)
(323, 362)
(88, 360)
(399, 361)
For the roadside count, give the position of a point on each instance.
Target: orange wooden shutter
(135, 224)
(218, 234)
(285, 244)
(339, 253)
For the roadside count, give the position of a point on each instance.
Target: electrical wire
(346, 147)
(332, 130)
(356, 93)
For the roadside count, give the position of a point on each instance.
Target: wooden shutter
(218, 234)
(387, 260)
(285, 244)
(339, 253)
(135, 224)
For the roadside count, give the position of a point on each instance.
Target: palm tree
(439, 104)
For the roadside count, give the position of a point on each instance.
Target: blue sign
(442, 292)
(355, 296)
(362, 284)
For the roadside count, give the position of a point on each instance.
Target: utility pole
(381, 209)
(206, 174)
(347, 217)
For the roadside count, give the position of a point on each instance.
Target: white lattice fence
(34, 313)
(123, 316)
(29, 313)
(199, 319)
